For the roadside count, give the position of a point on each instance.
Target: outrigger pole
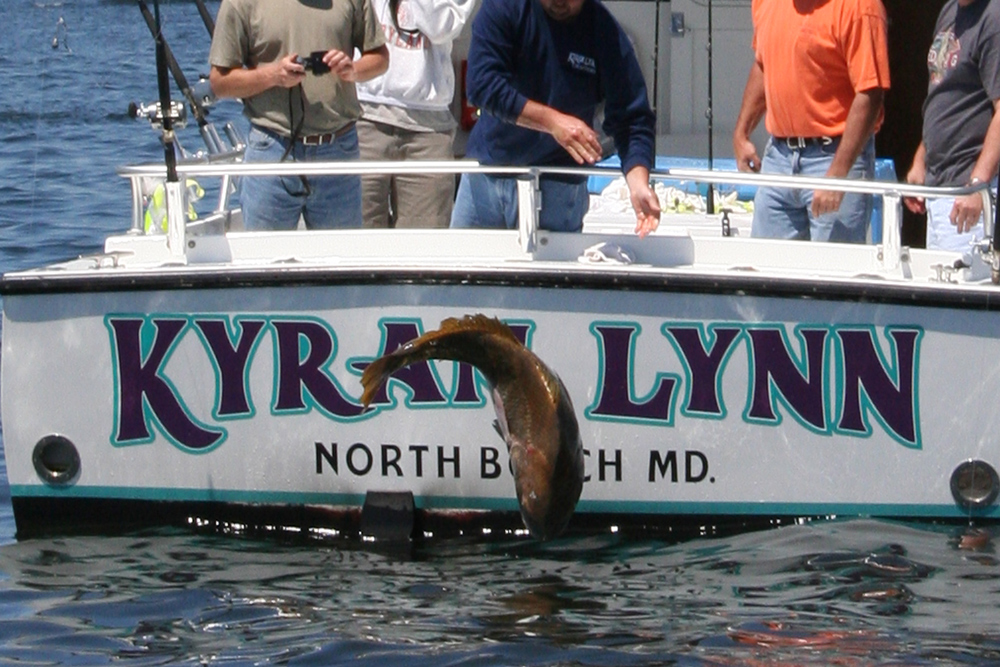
(710, 197)
(211, 138)
(206, 17)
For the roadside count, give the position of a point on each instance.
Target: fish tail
(458, 340)
(378, 372)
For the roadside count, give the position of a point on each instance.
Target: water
(851, 592)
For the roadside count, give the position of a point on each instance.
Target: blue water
(851, 592)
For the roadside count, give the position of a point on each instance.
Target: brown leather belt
(329, 137)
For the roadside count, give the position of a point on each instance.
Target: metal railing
(222, 166)
(892, 198)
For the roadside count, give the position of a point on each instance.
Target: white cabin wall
(675, 67)
(684, 128)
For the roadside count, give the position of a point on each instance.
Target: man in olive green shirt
(260, 52)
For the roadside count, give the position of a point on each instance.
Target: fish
(534, 412)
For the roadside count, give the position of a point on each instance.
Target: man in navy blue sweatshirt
(538, 70)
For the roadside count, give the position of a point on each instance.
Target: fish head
(548, 480)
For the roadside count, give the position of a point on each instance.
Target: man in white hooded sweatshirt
(406, 112)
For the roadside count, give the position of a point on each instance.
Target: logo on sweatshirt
(582, 63)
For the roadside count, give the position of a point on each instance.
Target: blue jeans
(276, 202)
(485, 200)
(784, 213)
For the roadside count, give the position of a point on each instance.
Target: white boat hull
(699, 395)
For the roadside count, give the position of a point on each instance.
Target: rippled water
(855, 592)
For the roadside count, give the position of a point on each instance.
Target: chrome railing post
(892, 230)
(989, 215)
(137, 208)
(529, 203)
(176, 218)
(225, 186)
(990, 248)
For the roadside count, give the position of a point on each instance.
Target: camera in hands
(314, 62)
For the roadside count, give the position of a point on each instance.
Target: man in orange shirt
(819, 78)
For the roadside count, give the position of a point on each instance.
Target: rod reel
(153, 112)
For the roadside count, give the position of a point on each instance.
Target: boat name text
(830, 379)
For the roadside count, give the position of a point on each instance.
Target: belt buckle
(317, 139)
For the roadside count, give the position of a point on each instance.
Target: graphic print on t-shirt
(943, 54)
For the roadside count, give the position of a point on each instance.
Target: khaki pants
(405, 200)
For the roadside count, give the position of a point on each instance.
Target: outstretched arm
(370, 65)
(645, 203)
(578, 138)
(243, 82)
(861, 120)
(752, 109)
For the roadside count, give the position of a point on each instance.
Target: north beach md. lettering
(843, 380)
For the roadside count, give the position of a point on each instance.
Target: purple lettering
(774, 368)
(297, 375)
(704, 366)
(231, 362)
(614, 395)
(140, 384)
(894, 401)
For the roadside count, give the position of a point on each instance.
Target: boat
(209, 377)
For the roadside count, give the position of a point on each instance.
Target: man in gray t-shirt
(961, 137)
(299, 108)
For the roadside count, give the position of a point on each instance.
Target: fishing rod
(176, 230)
(163, 86)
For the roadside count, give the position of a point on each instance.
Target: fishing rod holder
(202, 93)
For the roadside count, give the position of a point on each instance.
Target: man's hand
(285, 73)
(645, 203)
(578, 138)
(862, 118)
(747, 158)
(966, 211)
(826, 201)
(917, 176)
(341, 65)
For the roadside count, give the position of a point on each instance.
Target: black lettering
(390, 459)
(323, 454)
(488, 466)
(586, 453)
(442, 460)
(419, 450)
(689, 458)
(669, 464)
(603, 463)
(369, 460)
